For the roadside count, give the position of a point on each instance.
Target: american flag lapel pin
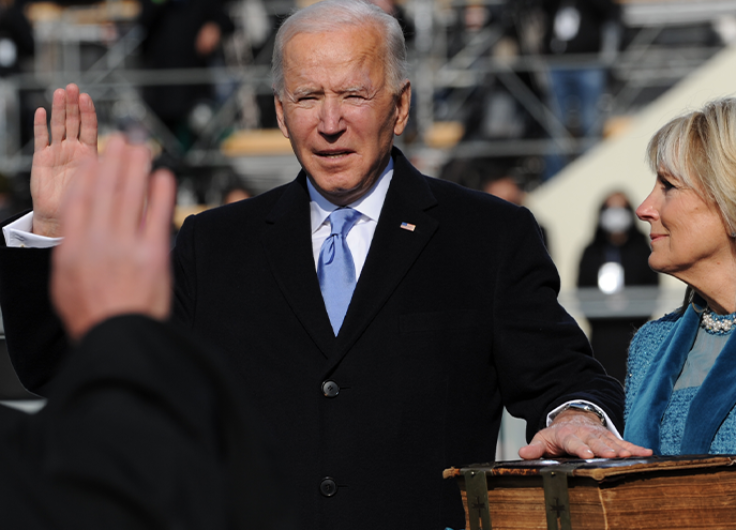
(408, 226)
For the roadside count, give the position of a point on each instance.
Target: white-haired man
(379, 319)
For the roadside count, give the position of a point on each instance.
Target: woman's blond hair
(699, 150)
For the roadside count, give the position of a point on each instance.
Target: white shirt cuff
(19, 234)
(609, 424)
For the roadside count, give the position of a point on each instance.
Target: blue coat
(691, 420)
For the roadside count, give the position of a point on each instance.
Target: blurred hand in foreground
(116, 226)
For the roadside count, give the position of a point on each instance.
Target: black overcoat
(449, 322)
(124, 443)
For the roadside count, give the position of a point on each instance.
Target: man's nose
(331, 120)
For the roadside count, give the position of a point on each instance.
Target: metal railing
(642, 65)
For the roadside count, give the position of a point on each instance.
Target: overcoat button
(327, 487)
(330, 389)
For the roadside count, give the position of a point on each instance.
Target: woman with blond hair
(681, 381)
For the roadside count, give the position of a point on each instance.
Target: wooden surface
(659, 495)
(706, 500)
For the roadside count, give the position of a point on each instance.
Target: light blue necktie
(336, 269)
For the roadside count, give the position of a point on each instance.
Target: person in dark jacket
(616, 258)
(578, 33)
(180, 34)
(17, 47)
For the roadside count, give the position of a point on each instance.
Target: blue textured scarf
(711, 405)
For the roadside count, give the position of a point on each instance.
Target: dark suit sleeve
(144, 429)
(37, 344)
(541, 353)
(185, 278)
(36, 341)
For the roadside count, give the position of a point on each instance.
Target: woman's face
(688, 237)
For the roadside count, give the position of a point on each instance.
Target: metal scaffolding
(651, 60)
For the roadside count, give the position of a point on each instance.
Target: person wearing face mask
(616, 258)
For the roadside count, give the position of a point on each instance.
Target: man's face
(338, 110)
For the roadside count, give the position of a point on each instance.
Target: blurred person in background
(251, 45)
(507, 187)
(16, 38)
(394, 9)
(7, 206)
(236, 193)
(487, 110)
(681, 385)
(181, 34)
(17, 47)
(578, 27)
(616, 258)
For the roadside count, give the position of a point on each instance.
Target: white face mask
(616, 220)
(567, 23)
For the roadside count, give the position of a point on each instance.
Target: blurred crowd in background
(502, 88)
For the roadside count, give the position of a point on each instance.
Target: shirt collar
(369, 204)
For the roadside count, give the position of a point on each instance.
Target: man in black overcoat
(454, 313)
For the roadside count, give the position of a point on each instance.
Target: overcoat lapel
(393, 251)
(287, 241)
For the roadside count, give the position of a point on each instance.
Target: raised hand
(55, 163)
(116, 227)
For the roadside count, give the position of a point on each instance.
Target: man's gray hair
(333, 15)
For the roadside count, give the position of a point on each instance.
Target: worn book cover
(684, 492)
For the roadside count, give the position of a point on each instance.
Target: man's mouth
(333, 154)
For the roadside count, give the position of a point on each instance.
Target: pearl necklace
(719, 324)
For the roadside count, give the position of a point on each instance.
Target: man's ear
(402, 108)
(280, 115)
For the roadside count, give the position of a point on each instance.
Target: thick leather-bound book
(683, 492)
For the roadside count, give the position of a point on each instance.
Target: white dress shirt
(18, 234)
